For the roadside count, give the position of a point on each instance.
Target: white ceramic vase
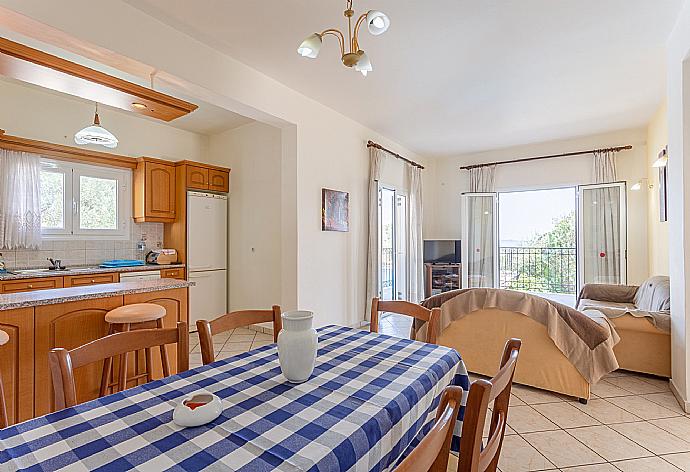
(297, 343)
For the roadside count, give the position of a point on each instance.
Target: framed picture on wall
(335, 210)
(663, 195)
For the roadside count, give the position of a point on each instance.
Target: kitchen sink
(37, 271)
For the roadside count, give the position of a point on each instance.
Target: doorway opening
(538, 243)
(393, 267)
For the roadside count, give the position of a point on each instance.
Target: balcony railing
(539, 269)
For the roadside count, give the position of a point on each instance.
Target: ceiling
(464, 75)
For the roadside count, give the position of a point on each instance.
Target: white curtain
(20, 204)
(416, 258)
(376, 160)
(480, 228)
(602, 223)
(482, 179)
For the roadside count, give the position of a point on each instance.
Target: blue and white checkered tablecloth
(370, 397)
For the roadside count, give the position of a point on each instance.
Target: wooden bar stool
(4, 420)
(133, 317)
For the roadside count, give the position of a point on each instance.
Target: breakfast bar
(38, 321)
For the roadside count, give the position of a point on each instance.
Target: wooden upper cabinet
(219, 180)
(154, 191)
(197, 177)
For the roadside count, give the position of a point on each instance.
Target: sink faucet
(55, 264)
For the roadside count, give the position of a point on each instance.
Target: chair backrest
(232, 320)
(432, 317)
(431, 454)
(63, 362)
(474, 458)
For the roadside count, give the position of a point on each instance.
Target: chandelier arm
(338, 34)
(355, 39)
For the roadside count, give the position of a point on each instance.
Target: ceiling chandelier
(96, 134)
(351, 54)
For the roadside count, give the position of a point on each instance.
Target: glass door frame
(394, 235)
(622, 185)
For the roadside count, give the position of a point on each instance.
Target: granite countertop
(72, 294)
(81, 270)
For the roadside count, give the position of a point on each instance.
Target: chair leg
(149, 364)
(122, 380)
(164, 353)
(107, 370)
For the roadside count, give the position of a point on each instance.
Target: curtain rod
(394, 154)
(566, 154)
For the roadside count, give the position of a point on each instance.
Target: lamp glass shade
(96, 134)
(636, 186)
(377, 22)
(661, 161)
(363, 64)
(311, 46)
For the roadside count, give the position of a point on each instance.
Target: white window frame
(72, 173)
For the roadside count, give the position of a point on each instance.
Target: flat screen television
(442, 251)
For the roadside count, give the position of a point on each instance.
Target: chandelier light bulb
(377, 22)
(311, 46)
(363, 64)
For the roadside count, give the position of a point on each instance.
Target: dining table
(370, 399)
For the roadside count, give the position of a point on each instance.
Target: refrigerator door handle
(193, 275)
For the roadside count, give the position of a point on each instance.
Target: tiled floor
(632, 423)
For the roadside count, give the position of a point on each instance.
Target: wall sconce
(662, 160)
(638, 185)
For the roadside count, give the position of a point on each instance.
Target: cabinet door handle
(30, 286)
(93, 281)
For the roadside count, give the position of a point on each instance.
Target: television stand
(441, 277)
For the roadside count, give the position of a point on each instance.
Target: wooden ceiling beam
(36, 67)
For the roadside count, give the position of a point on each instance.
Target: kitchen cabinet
(69, 325)
(173, 273)
(197, 177)
(154, 191)
(219, 180)
(28, 285)
(93, 279)
(17, 363)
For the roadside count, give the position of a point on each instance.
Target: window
(81, 201)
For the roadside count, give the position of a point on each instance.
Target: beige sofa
(642, 318)
(562, 351)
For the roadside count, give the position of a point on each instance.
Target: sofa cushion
(654, 294)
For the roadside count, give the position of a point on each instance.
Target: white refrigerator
(207, 254)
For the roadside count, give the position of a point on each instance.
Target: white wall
(448, 182)
(32, 112)
(678, 96)
(657, 240)
(321, 147)
(253, 152)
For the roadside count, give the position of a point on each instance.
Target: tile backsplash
(86, 252)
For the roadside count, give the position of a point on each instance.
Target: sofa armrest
(608, 293)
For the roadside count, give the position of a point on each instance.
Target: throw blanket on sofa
(651, 300)
(587, 343)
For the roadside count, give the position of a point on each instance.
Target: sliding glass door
(480, 240)
(393, 266)
(601, 234)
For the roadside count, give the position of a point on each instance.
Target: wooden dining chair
(431, 454)
(232, 320)
(63, 362)
(432, 317)
(474, 456)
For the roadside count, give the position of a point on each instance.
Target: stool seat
(4, 337)
(135, 313)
